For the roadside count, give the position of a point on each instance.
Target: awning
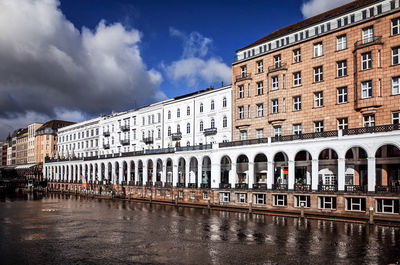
(27, 166)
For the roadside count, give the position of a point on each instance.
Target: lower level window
(168, 193)
(139, 191)
(180, 194)
(205, 195)
(327, 203)
(260, 198)
(241, 197)
(300, 200)
(192, 195)
(158, 192)
(387, 206)
(280, 200)
(355, 204)
(224, 196)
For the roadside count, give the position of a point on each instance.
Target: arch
(303, 170)
(281, 171)
(170, 173)
(140, 172)
(181, 172)
(356, 169)
(206, 172)
(150, 168)
(102, 172)
(132, 176)
(260, 171)
(96, 172)
(116, 172)
(193, 172)
(388, 168)
(328, 170)
(242, 171)
(109, 173)
(124, 172)
(226, 166)
(159, 170)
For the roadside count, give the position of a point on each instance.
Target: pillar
(136, 171)
(341, 173)
(291, 169)
(164, 172)
(84, 174)
(233, 175)
(314, 174)
(121, 172)
(187, 175)
(215, 175)
(270, 174)
(251, 175)
(154, 171)
(200, 172)
(174, 173)
(371, 174)
(145, 175)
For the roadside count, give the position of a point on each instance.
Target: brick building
(337, 70)
(22, 147)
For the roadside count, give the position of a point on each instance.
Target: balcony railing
(139, 183)
(149, 184)
(124, 141)
(374, 129)
(386, 189)
(131, 183)
(194, 148)
(124, 127)
(176, 136)
(327, 188)
(367, 42)
(180, 185)
(355, 188)
(158, 184)
(241, 186)
(205, 185)
(168, 184)
(160, 151)
(244, 142)
(260, 186)
(224, 185)
(192, 185)
(277, 67)
(210, 131)
(243, 76)
(148, 140)
(106, 133)
(279, 186)
(304, 136)
(302, 187)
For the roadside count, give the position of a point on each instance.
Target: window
(260, 110)
(201, 126)
(178, 128)
(396, 117)
(188, 111)
(297, 129)
(212, 105)
(180, 194)
(178, 113)
(224, 104)
(201, 107)
(342, 123)
(342, 95)
(260, 88)
(327, 203)
(277, 61)
(296, 56)
(355, 204)
(395, 55)
(241, 112)
(341, 42)
(297, 103)
(318, 74)
(318, 126)
(366, 61)
(297, 79)
(260, 199)
(243, 71)
(302, 200)
(368, 34)
(387, 206)
(243, 135)
(275, 82)
(212, 123)
(169, 115)
(241, 91)
(260, 67)
(169, 131)
(318, 99)
(275, 106)
(280, 200)
(205, 195)
(369, 120)
(318, 49)
(225, 122)
(366, 89)
(224, 196)
(159, 117)
(159, 133)
(396, 85)
(241, 197)
(188, 128)
(277, 131)
(396, 26)
(341, 68)
(259, 133)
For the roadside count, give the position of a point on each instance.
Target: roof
(55, 124)
(357, 4)
(23, 132)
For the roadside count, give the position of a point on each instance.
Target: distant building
(22, 147)
(3, 149)
(32, 142)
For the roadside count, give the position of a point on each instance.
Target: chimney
(222, 83)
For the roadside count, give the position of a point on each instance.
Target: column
(371, 174)
(84, 174)
(164, 172)
(314, 174)
(174, 174)
(251, 175)
(121, 173)
(291, 175)
(341, 171)
(187, 175)
(145, 175)
(136, 171)
(270, 175)
(215, 175)
(106, 171)
(233, 175)
(154, 171)
(200, 173)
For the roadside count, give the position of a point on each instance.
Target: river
(63, 229)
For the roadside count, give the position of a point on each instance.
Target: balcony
(224, 185)
(355, 188)
(176, 136)
(106, 133)
(375, 129)
(194, 147)
(260, 186)
(158, 184)
(124, 141)
(148, 140)
(243, 76)
(302, 187)
(168, 184)
(241, 186)
(205, 185)
(277, 67)
(131, 183)
(124, 127)
(106, 146)
(210, 131)
(279, 186)
(139, 183)
(192, 185)
(327, 188)
(149, 184)
(387, 189)
(180, 185)
(376, 40)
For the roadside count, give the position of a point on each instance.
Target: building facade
(31, 158)
(4, 147)
(21, 147)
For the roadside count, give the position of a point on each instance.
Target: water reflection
(63, 229)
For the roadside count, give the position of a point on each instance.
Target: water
(61, 229)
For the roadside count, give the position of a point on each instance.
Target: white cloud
(315, 7)
(48, 66)
(196, 65)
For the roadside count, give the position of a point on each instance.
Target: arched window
(188, 128)
(178, 113)
(212, 105)
(169, 130)
(201, 126)
(212, 123)
(178, 128)
(188, 143)
(224, 102)
(225, 122)
(169, 115)
(188, 111)
(159, 133)
(201, 107)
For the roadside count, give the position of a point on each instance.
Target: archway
(260, 171)
(124, 173)
(181, 173)
(159, 171)
(242, 171)
(116, 173)
(169, 168)
(281, 171)
(132, 176)
(150, 177)
(193, 173)
(109, 173)
(388, 169)
(303, 171)
(139, 182)
(226, 166)
(328, 169)
(206, 173)
(102, 172)
(356, 170)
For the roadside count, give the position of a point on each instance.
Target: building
(3, 148)
(46, 139)
(32, 142)
(22, 147)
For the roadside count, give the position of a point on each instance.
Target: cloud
(315, 7)
(196, 64)
(51, 69)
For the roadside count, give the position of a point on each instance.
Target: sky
(77, 59)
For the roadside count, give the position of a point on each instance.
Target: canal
(63, 229)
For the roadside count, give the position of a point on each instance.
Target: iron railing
(328, 188)
(260, 186)
(279, 186)
(243, 76)
(368, 42)
(355, 188)
(224, 185)
(241, 186)
(277, 67)
(302, 187)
